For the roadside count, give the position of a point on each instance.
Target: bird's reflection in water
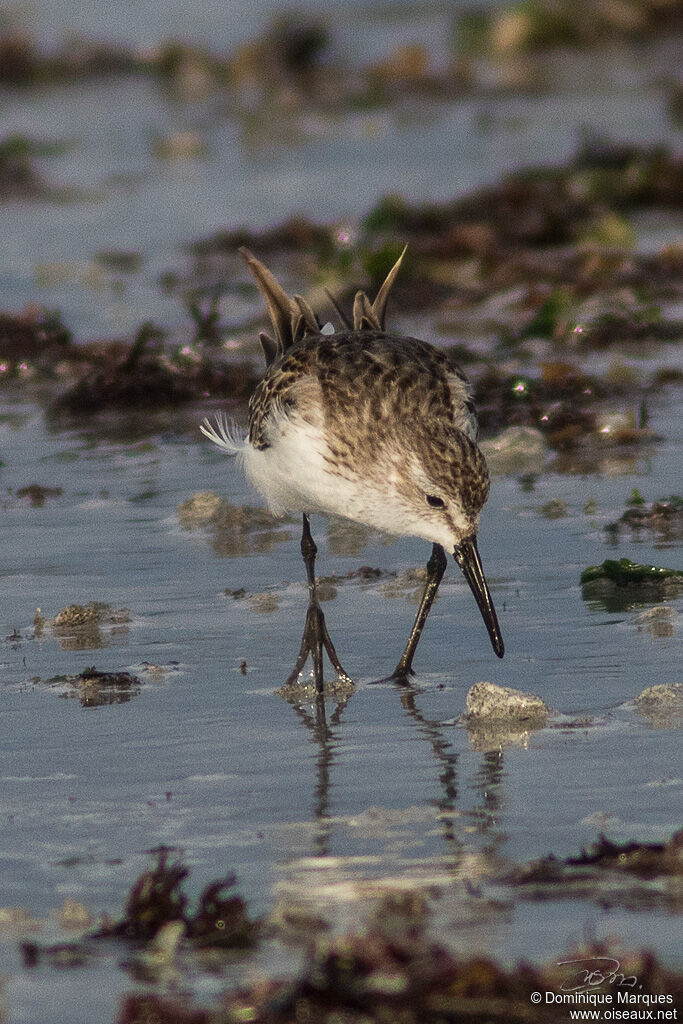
(314, 717)
(446, 759)
(486, 783)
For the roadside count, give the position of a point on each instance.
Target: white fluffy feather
(227, 435)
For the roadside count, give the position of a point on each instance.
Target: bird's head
(442, 487)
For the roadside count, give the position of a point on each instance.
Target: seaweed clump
(645, 860)
(618, 585)
(29, 341)
(608, 873)
(95, 689)
(145, 376)
(19, 176)
(110, 375)
(633, 875)
(375, 978)
(37, 494)
(23, 63)
(663, 517)
(624, 573)
(221, 919)
(560, 234)
(156, 899)
(532, 26)
(393, 972)
(538, 206)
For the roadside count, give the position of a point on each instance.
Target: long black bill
(467, 557)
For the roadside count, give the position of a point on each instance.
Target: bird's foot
(315, 639)
(401, 676)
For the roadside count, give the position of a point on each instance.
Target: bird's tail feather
(226, 434)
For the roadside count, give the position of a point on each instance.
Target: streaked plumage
(368, 425)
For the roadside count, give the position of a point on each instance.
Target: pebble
(662, 697)
(74, 915)
(264, 602)
(489, 701)
(76, 615)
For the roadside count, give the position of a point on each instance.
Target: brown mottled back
(368, 390)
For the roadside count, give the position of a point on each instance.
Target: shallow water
(391, 791)
(210, 760)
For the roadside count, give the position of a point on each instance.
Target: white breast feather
(291, 472)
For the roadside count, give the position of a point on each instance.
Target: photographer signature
(590, 972)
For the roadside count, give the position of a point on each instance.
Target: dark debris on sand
(145, 376)
(663, 517)
(645, 860)
(154, 900)
(23, 63)
(623, 572)
(20, 178)
(560, 233)
(369, 979)
(533, 26)
(37, 494)
(547, 252)
(545, 257)
(32, 336)
(221, 919)
(630, 875)
(36, 349)
(535, 208)
(96, 689)
(379, 978)
(287, 51)
(557, 239)
(294, 65)
(564, 403)
(393, 973)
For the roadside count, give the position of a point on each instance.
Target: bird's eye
(435, 502)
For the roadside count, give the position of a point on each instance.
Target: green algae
(624, 573)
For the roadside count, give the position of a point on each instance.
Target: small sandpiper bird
(367, 425)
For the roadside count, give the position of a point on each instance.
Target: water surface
(391, 790)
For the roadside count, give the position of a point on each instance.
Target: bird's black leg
(315, 630)
(436, 567)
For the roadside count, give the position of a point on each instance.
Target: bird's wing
(432, 368)
(285, 396)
